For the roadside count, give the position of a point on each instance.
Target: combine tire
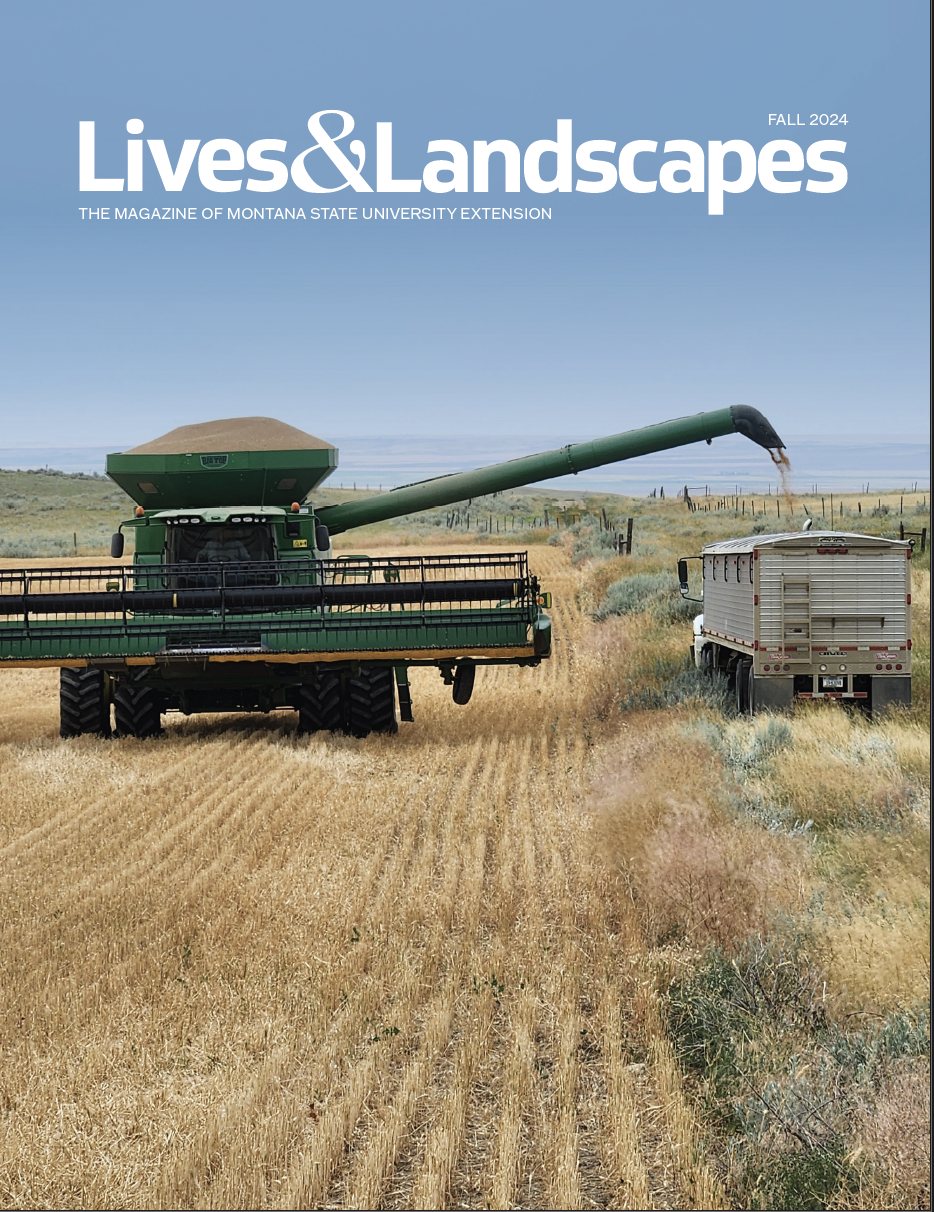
(137, 711)
(464, 676)
(371, 701)
(84, 703)
(320, 703)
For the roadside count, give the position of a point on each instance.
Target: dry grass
(247, 969)
(784, 862)
(694, 872)
(894, 1129)
(840, 769)
(880, 962)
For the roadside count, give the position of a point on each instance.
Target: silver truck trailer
(808, 615)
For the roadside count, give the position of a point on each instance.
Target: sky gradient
(623, 310)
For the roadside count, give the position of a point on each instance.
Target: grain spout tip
(752, 424)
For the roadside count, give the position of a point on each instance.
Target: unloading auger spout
(516, 473)
(236, 599)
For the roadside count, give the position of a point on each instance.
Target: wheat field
(243, 968)
(247, 969)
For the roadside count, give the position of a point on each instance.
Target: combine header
(235, 600)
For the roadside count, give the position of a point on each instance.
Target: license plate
(833, 683)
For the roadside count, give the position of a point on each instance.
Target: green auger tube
(446, 490)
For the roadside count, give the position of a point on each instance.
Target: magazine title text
(545, 166)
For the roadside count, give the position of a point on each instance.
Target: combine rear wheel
(84, 703)
(320, 703)
(371, 701)
(137, 711)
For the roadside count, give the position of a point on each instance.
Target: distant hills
(838, 464)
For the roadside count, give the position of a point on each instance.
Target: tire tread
(320, 703)
(137, 712)
(371, 701)
(83, 705)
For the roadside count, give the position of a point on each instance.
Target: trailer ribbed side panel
(858, 598)
(728, 596)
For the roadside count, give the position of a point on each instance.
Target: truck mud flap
(772, 694)
(890, 692)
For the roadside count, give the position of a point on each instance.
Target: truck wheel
(371, 701)
(708, 666)
(84, 706)
(743, 677)
(320, 703)
(137, 711)
(750, 695)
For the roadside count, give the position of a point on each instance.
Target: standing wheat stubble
(294, 972)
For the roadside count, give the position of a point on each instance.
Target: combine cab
(235, 600)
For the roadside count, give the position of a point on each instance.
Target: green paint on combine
(236, 602)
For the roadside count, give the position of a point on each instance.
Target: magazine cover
(464, 605)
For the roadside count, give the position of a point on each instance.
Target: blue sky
(624, 309)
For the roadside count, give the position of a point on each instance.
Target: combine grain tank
(807, 615)
(235, 600)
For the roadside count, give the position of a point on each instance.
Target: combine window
(226, 544)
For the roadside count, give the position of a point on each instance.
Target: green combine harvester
(235, 601)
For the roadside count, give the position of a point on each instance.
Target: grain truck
(236, 601)
(813, 614)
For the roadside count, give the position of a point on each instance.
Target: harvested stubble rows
(247, 969)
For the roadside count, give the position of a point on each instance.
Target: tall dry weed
(714, 881)
(603, 659)
(892, 1130)
(879, 962)
(693, 871)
